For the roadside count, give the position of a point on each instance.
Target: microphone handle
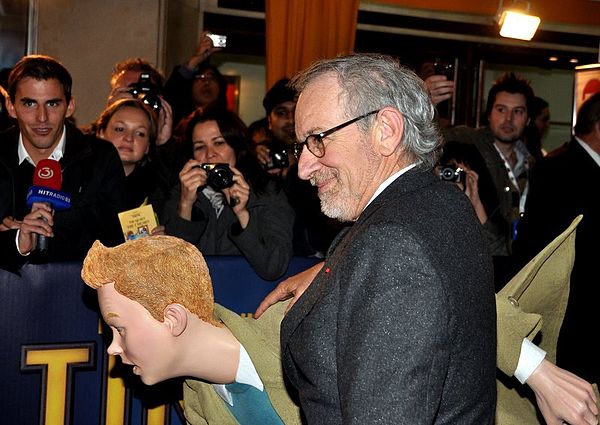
(43, 242)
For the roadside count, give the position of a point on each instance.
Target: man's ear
(70, 107)
(389, 127)
(176, 318)
(10, 107)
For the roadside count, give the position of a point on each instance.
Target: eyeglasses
(314, 142)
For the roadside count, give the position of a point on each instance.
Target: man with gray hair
(399, 324)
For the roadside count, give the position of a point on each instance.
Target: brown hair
(154, 271)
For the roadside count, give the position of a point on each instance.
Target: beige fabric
(260, 338)
(532, 303)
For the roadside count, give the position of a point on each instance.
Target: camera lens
(448, 173)
(150, 99)
(220, 176)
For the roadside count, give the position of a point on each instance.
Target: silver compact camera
(218, 40)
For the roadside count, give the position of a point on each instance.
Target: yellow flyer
(138, 222)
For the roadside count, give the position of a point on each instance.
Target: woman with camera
(225, 202)
(131, 126)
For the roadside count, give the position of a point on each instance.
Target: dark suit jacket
(561, 187)
(400, 324)
(92, 174)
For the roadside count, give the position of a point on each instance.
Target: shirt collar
(246, 374)
(595, 156)
(389, 181)
(56, 154)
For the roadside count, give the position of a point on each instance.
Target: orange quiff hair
(154, 271)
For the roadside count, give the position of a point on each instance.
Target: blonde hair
(155, 271)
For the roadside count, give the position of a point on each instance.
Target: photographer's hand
(165, 122)
(191, 177)
(237, 196)
(204, 49)
(439, 88)
(472, 192)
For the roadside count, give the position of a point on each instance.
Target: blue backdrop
(53, 363)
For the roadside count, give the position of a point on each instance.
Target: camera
(444, 68)
(220, 175)
(278, 158)
(146, 91)
(218, 40)
(452, 174)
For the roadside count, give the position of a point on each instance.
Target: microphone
(47, 182)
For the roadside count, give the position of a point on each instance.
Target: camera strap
(217, 199)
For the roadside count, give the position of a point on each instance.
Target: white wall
(252, 83)
(90, 36)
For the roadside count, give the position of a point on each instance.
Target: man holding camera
(313, 231)
(137, 78)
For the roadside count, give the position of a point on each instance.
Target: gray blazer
(399, 327)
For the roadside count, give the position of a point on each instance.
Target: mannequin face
(138, 338)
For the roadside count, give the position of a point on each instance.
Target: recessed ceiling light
(553, 59)
(574, 60)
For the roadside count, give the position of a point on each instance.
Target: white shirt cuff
(530, 358)
(17, 243)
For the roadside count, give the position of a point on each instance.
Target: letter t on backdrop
(302, 31)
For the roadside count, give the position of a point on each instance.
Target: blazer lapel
(412, 180)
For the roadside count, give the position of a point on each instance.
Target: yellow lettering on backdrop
(115, 397)
(56, 363)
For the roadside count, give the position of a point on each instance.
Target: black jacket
(92, 174)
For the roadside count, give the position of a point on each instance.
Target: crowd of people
(350, 165)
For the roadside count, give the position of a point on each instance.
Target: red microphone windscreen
(48, 174)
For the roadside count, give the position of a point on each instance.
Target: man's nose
(307, 164)
(42, 114)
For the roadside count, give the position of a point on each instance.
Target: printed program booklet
(138, 222)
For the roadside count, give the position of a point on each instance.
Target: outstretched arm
(294, 286)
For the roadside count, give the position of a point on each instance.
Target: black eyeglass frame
(317, 139)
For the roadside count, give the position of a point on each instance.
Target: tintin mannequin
(156, 295)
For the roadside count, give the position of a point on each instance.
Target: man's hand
(439, 88)
(294, 286)
(563, 397)
(9, 223)
(38, 222)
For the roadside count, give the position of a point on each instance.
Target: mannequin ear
(176, 318)
(389, 127)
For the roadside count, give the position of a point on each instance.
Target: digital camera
(450, 173)
(146, 91)
(220, 175)
(278, 158)
(444, 68)
(218, 40)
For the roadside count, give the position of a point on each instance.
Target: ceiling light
(516, 22)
